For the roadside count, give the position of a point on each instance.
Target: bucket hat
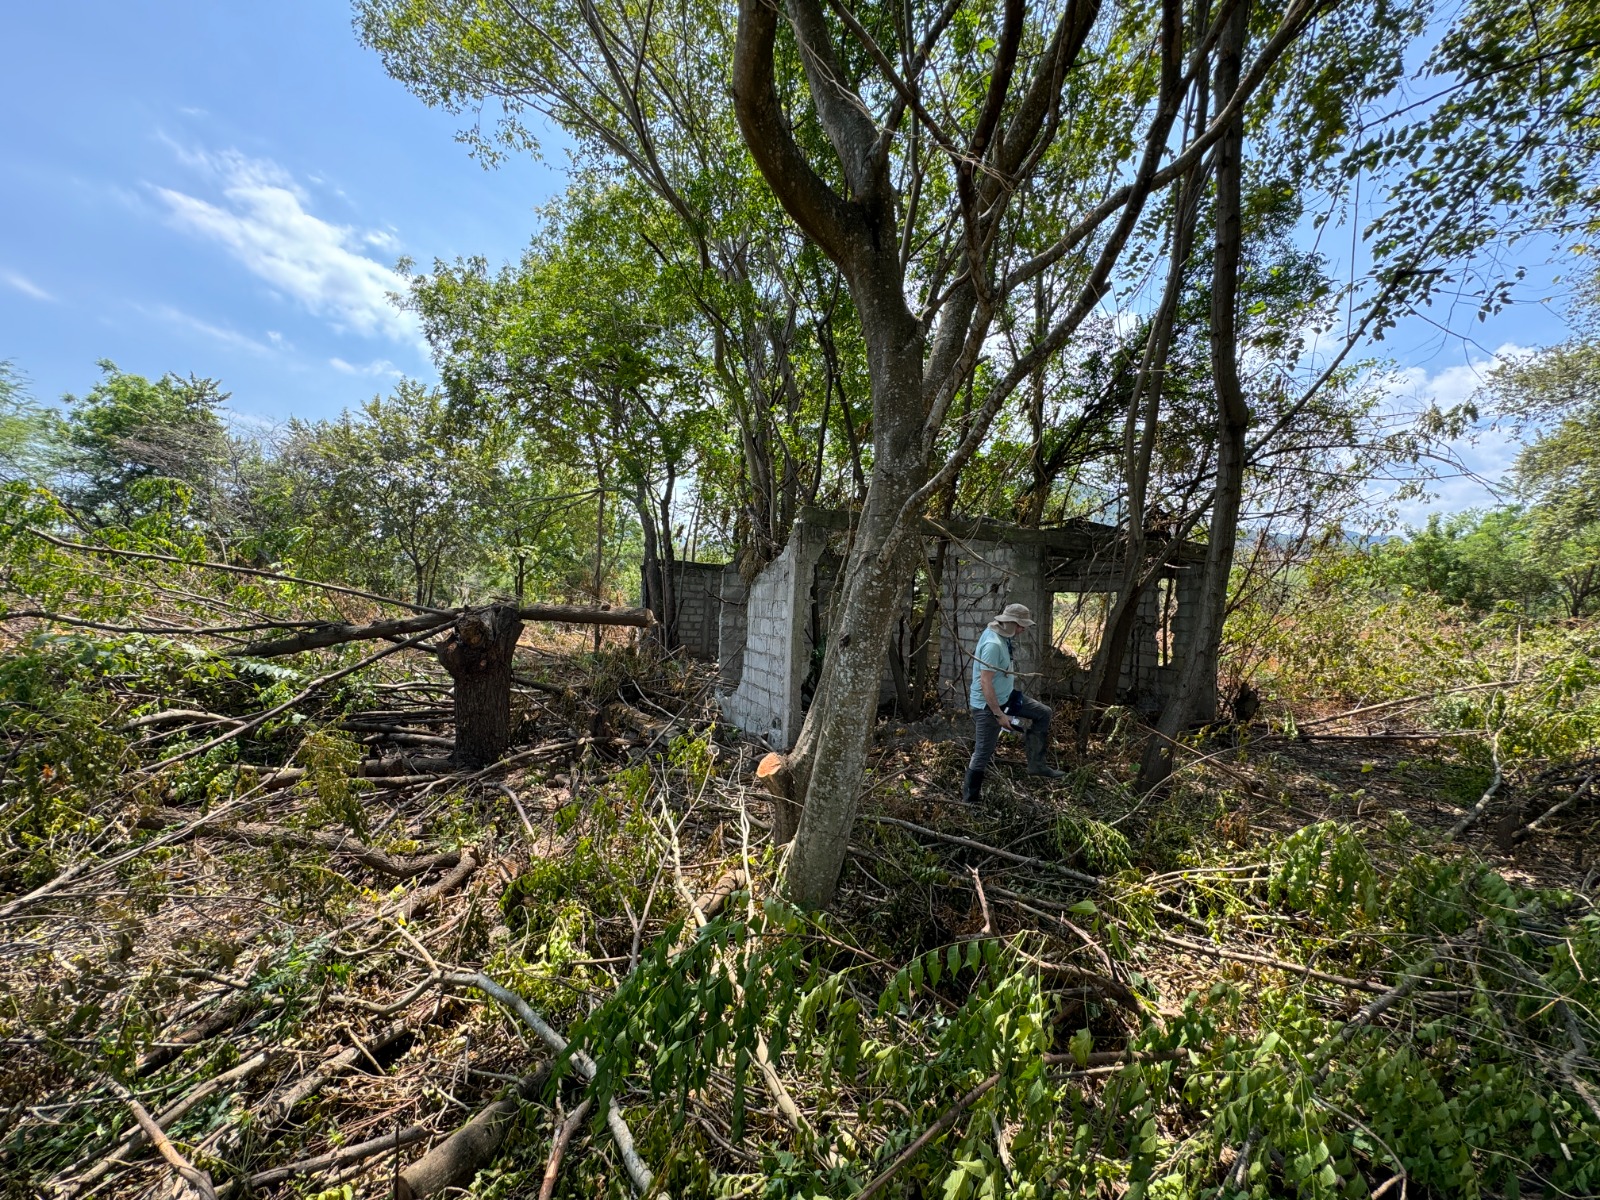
(1017, 613)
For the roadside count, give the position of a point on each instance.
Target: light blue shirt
(993, 653)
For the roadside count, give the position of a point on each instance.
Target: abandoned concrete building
(768, 636)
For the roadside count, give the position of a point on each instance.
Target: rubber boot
(972, 786)
(1036, 763)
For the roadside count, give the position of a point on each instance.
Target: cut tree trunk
(773, 771)
(478, 654)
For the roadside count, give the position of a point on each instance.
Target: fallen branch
(333, 634)
(955, 839)
(1478, 809)
(135, 1139)
(638, 1173)
(1556, 809)
(419, 902)
(262, 718)
(199, 1182)
(1370, 1012)
(225, 1018)
(948, 1117)
(173, 716)
(280, 1104)
(558, 1148)
(84, 869)
(341, 1157)
(1372, 708)
(335, 843)
(454, 1161)
(1261, 960)
(572, 614)
(230, 568)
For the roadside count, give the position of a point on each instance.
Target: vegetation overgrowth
(323, 876)
(1285, 975)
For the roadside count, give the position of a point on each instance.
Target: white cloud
(217, 333)
(25, 285)
(376, 368)
(263, 221)
(1485, 453)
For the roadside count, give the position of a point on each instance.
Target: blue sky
(223, 188)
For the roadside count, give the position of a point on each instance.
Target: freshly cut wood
(777, 777)
(558, 1149)
(454, 1161)
(710, 902)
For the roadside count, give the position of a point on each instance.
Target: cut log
(573, 614)
(477, 653)
(454, 1161)
(775, 775)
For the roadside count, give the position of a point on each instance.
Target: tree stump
(774, 773)
(478, 653)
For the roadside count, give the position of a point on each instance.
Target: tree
(1477, 559)
(1557, 393)
(29, 434)
(943, 168)
(128, 432)
(1506, 147)
(591, 345)
(389, 497)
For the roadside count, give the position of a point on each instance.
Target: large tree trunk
(478, 654)
(829, 758)
(1195, 695)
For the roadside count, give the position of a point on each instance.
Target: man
(997, 702)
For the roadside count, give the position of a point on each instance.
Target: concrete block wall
(765, 702)
(980, 579)
(697, 591)
(765, 630)
(733, 599)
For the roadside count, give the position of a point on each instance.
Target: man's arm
(986, 685)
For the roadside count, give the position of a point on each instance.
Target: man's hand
(1005, 720)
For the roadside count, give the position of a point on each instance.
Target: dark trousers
(986, 726)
